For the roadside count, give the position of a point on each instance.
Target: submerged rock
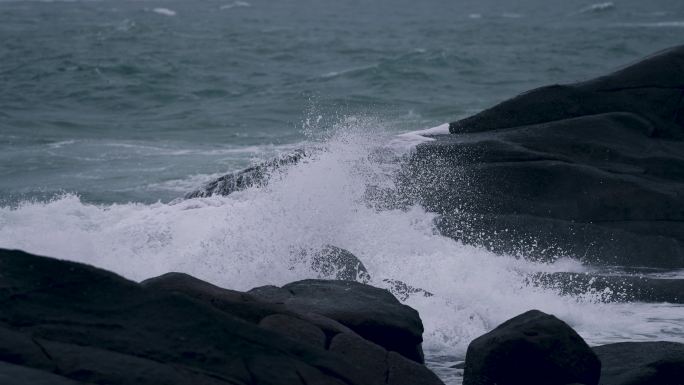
(65, 322)
(641, 363)
(256, 175)
(593, 169)
(532, 348)
(332, 262)
(403, 290)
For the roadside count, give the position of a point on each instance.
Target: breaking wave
(252, 238)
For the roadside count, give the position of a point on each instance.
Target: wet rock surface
(532, 348)
(64, 322)
(613, 287)
(256, 175)
(537, 348)
(593, 169)
(641, 363)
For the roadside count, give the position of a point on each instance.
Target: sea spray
(253, 237)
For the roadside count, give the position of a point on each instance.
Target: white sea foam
(235, 4)
(413, 138)
(252, 237)
(61, 144)
(164, 11)
(598, 7)
(334, 74)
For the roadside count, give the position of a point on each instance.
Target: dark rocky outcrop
(642, 363)
(372, 313)
(614, 287)
(256, 175)
(532, 348)
(66, 323)
(21, 375)
(593, 169)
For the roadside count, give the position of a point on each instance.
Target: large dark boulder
(593, 169)
(642, 363)
(533, 348)
(372, 313)
(65, 322)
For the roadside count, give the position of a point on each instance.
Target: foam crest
(164, 11)
(235, 4)
(253, 237)
(598, 7)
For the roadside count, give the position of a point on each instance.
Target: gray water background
(140, 101)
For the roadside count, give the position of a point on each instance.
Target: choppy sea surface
(110, 110)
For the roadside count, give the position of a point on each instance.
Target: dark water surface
(139, 100)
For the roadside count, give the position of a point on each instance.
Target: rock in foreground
(372, 313)
(64, 322)
(533, 348)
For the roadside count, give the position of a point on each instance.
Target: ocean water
(110, 110)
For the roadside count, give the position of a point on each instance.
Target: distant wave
(386, 64)
(61, 144)
(183, 185)
(235, 4)
(598, 7)
(659, 24)
(334, 74)
(164, 11)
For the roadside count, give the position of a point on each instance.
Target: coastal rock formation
(641, 363)
(536, 348)
(68, 323)
(614, 287)
(532, 348)
(256, 175)
(593, 169)
(371, 312)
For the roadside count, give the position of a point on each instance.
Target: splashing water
(251, 238)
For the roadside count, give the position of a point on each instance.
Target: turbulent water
(110, 110)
